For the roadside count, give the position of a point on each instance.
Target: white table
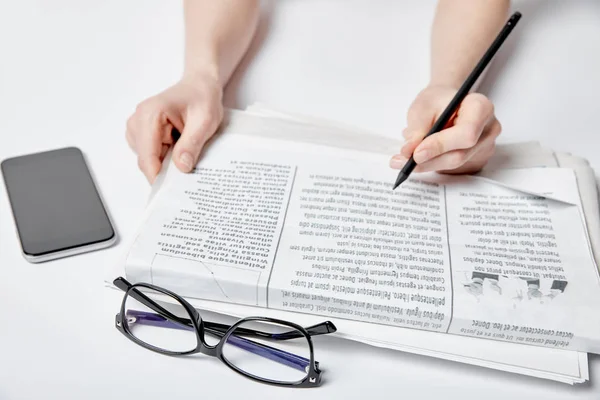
(71, 71)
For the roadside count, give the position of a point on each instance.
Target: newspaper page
(318, 230)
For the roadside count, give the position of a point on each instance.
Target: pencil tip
(401, 178)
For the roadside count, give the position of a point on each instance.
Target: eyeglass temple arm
(263, 350)
(277, 355)
(322, 328)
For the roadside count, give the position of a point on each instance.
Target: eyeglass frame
(312, 378)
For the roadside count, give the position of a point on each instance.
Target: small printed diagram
(515, 288)
(534, 289)
(475, 285)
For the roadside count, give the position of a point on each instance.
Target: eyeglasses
(278, 353)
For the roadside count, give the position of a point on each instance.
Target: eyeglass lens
(156, 327)
(267, 357)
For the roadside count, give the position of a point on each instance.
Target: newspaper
(554, 364)
(316, 229)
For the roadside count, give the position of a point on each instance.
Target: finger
(130, 132)
(475, 163)
(199, 127)
(485, 151)
(398, 161)
(458, 137)
(474, 114)
(409, 147)
(170, 134)
(474, 108)
(465, 160)
(413, 139)
(130, 137)
(447, 161)
(451, 160)
(420, 118)
(152, 125)
(163, 153)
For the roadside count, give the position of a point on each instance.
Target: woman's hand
(193, 106)
(464, 146)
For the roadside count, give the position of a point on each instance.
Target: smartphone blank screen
(55, 202)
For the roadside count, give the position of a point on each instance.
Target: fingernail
(397, 162)
(422, 156)
(186, 160)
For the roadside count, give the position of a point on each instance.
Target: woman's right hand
(193, 106)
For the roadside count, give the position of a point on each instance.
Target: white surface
(72, 71)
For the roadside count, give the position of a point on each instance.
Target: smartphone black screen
(55, 203)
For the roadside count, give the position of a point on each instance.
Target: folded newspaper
(294, 216)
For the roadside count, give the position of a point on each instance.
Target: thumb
(198, 128)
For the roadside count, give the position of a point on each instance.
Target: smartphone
(57, 209)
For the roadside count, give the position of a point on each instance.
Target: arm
(217, 35)
(462, 31)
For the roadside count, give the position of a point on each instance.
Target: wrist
(202, 71)
(445, 84)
